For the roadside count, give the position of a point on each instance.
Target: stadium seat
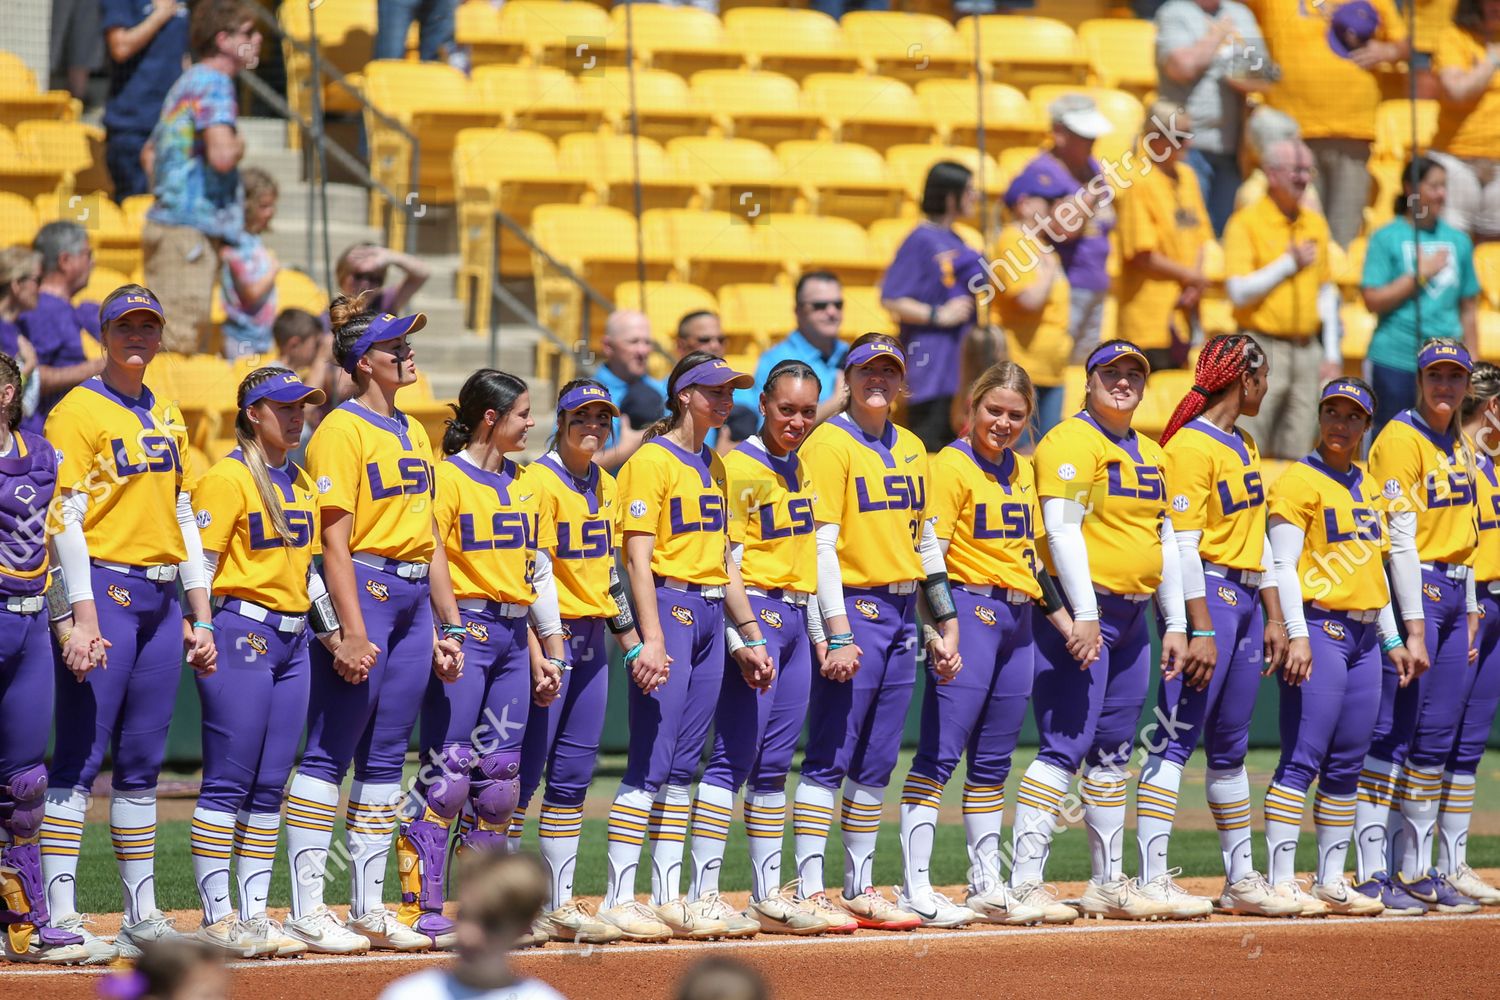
(1009, 118)
(22, 175)
(346, 41)
(538, 99)
(202, 386)
(907, 46)
(22, 100)
(712, 248)
(877, 111)
(795, 42)
(1025, 51)
(1352, 275)
(72, 146)
(297, 290)
(18, 222)
(909, 165)
(555, 30)
(846, 179)
(740, 175)
(1489, 335)
(682, 40)
(599, 244)
(609, 161)
(135, 208)
(116, 243)
(665, 108)
(102, 281)
(1359, 325)
(766, 107)
(1122, 52)
(863, 313)
(490, 39)
(1164, 390)
(756, 313)
(1487, 264)
(664, 303)
(1393, 128)
(814, 243)
(1124, 111)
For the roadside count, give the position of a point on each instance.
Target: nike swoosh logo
(923, 914)
(220, 899)
(526, 496)
(910, 459)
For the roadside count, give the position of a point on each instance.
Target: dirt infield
(1243, 957)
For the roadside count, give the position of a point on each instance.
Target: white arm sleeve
(190, 570)
(1063, 520)
(1286, 543)
(545, 614)
(732, 639)
(815, 630)
(211, 569)
(931, 550)
(1471, 594)
(1333, 326)
(1406, 566)
(1385, 625)
(830, 574)
(31, 394)
(1248, 289)
(1169, 591)
(1268, 560)
(1193, 583)
(316, 588)
(73, 548)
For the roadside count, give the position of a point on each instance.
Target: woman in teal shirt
(1442, 287)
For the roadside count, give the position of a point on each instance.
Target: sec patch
(1392, 489)
(684, 616)
(377, 590)
(204, 519)
(324, 484)
(637, 508)
(1180, 503)
(1066, 472)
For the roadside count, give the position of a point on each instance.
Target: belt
(499, 609)
(711, 591)
(1362, 617)
(25, 605)
(797, 598)
(1450, 570)
(290, 624)
(395, 567)
(1493, 586)
(1007, 594)
(1248, 579)
(1132, 598)
(156, 574)
(900, 587)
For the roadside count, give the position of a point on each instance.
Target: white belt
(1493, 586)
(712, 593)
(1362, 617)
(900, 587)
(1007, 594)
(25, 605)
(1451, 570)
(156, 574)
(405, 570)
(1132, 598)
(796, 598)
(500, 609)
(291, 624)
(1248, 579)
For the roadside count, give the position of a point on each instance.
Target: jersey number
(799, 516)
(1148, 478)
(299, 526)
(710, 515)
(1255, 494)
(416, 478)
(508, 530)
(595, 539)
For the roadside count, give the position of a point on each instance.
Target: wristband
(932, 315)
(562, 665)
(843, 638)
(752, 643)
(634, 653)
(1202, 633)
(835, 644)
(451, 631)
(204, 625)
(1389, 643)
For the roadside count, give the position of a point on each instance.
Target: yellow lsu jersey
(679, 497)
(255, 563)
(1487, 554)
(131, 457)
(1122, 485)
(1431, 473)
(875, 489)
(379, 470)
(491, 524)
(1217, 489)
(771, 515)
(583, 511)
(1342, 565)
(989, 514)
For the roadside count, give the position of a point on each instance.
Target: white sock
(713, 811)
(1229, 801)
(61, 838)
(1103, 796)
(1284, 807)
(514, 831)
(132, 828)
(765, 827)
(1377, 789)
(311, 808)
(558, 832)
(1155, 812)
(670, 810)
(984, 811)
(255, 836)
(628, 820)
(1453, 822)
(812, 816)
(920, 798)
(1421, 796)
(1333, 816)
(212, 843)
(369, 822)
(859, 823)
(1038, 800)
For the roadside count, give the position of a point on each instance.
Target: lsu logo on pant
(1432, 592)
(869, 609)
(119, 595)
(683, 615)
(1334, 630)
(985, 615)
(258, 643)
(478, 630)
(378, 590)
(771, 618)
(1229, 597)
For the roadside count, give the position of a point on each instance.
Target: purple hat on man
(1043, 177)
(1351, 26)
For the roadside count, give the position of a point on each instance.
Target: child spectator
(247, 281)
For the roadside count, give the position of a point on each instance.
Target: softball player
(388, 580)
(1325, 512)
(684, 585)
(124, 466)
(755, 732)
(258, 522)
(1103, 491)
(1426, 470)
(876, 548)
(1219, 519)
(984, 502)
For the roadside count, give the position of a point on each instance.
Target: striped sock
(62, 835)
(713, 811)
(311, 809)
(558, 832)
(1228, 794)
(255, 836)
(369, 821)
(812, 816)
(628, 821)
(1333, 816)
(1421, 798)
(514, 832)
(132, 829)
(859, 823)
(670, 810)
(1038, 800)
(1453, 821)
(984, 812)
(920, 798)
(212, 841)
(1284, 807)
(1103, 795)
(1377, 790)
(1155, 812)
(765, 826)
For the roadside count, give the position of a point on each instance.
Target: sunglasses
(825, 304)
(368, 277)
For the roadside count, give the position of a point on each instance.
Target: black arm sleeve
(1051, 600)
(939, 597)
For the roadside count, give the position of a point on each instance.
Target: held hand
(651, 669)
(843, 663)
(85, 650)
(546, 681)
(202, 654)
(756, 667)
(1421, 660)
(1173, 655)
(1433, 262)
(331, 640)
(355, 657)
(1304, 253)
(1084, 643)
(820, 654)
(1199, 662)
(1298, 666)
(448, 659)
(1401, 659)
(1276, 644)
(945, 662)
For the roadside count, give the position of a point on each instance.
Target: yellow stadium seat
(909, 165)
(1011, 163)
(1009, 118)
(116, 242)
(562, 33)
(1125, 112)
(683, 40)
(847, 180)
(1489, 335)
(863, 313)
(877, 111)
(135, 208)
(539, 99)
(610, 161)
(712, 248)
(599, 244)
(18, 223)
(1359, 325)
(908, 46)
(22, 175)
(1164, 390)
(491, 39)
(21, 100)
(766, 107)
(1024, 51)
(665, 108)
(814, 243)
(1487, 263)
(1122, 52)
(740, 175)
(664, 303)
(297, 290)
(1393, 126)
(72, 146)
(1354, 266)
(202, 386)
(346, 41)
(756, 313)
(102, 281)
(795, 42)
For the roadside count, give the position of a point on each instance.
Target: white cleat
(1001, 906)
(1177, 901)
(100, 951)
(1120, 899)
(575, 921)
(325, 934)
(34, 951)
(636, 921)
(1043, 897)
(1293, 889)
(1341, 898)
(234, 938)
(679, 917)
(386, 932)
(711, 906)
(271, 934)
(936, 910)
(1467, 881)
(153, 927)
(784, 913)
(1253, 896)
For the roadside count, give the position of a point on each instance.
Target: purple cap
(285, 388)
(716, 372)
(1357, 394)
(142, 301)
(865, 353)
(1351, 26)
(1105, 353)
(1042, 178)
(582, 395)
(382, 327)
(1436, 352)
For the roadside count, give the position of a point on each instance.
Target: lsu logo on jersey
(1432, 592)
(683, 615)
(1229, 597)
(257, 642)
(771, 618)
(119, 595)
(377, 590)
(985, 615)
(1334, 630)
(869, 609)
(478, 630)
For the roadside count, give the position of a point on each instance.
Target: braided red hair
(1223, 360)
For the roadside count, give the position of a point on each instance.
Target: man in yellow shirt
(1277, 275)
(1467, 143)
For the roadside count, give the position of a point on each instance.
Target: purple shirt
(1085, 257)
(929, 267)
(28, 480)
(10, 339)
(55, 332)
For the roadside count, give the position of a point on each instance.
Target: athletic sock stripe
(62, 822)
(203, 824)
(131, 831)
(310, 807)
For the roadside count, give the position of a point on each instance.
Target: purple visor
(714, 373)
(383, 327)
(581, 396)
(1357, 394)
(134, 302)
(287, 388)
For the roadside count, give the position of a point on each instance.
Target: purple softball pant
(755, 734)
(370, 723)
(125, 708)
(1327, 719)
(980, 711)
(562, 739)
(1482, 693)
(668, 727)
(254, 705)
(1091, 714)
(855, 726)
(25, 694)
(1418, 724)
(487, 707)
(1219, 716)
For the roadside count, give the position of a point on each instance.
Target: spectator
(702, 331)
(1163, 229)
(65, 354)
(818, 304)
(717, 978)
(1278, 278)
(75, 43)
(1438, 297)
(175, 968)
(1210, 55)
(1328, 54)
(641, 398)
(1467, 142)
(193, 159)
(393, 20)
(364, 267)
(20, 284)
(148, 43)
(836, 9)
(922, 291)
(247, 279)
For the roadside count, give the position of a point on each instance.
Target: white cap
(1080, 115)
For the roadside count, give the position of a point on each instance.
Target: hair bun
(460, 426)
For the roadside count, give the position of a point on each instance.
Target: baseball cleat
(1311, 905)
(838, 919)
(936, 910)
(1396, 900)
(1344, 901)
(1001, 906)
(1435, 892)
(636, 922)
(386, 932)
(325, 934)
(31, 945)
(1178, 903)
(282, 944)
(151, 928)
(1467, 881)
(874, 912)
(537, 936)
(783, 913)
(1043, 897)
(1120, 899)
(100, 951)
(232, 937)
(687, 925)
(575, 921)
(711, 906)
(1253, 896)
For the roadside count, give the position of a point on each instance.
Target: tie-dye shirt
(247, 325)
(188, 191)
